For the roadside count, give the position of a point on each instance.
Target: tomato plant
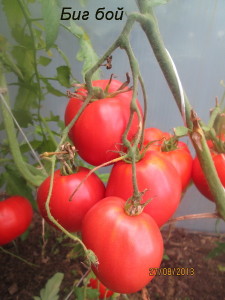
(15, 217)
(94, 283)
(199, 177)
(97, 134)
(70, 212)
(155, 174)
(126, 246)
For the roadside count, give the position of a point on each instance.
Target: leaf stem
(35, 180)
(18, 257)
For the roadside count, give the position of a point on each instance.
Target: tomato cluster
(126, 243)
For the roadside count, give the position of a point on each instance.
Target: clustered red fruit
(126, 244)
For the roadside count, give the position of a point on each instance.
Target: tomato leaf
(25, 60)
(26, 97)
(15, 184)
(86, 53)
(51, 290)
(51, 15)
(90, 293)
(63, 75)
(23, 117)
(218, 250)
(44, 61)
(181, 131)
(13, 12)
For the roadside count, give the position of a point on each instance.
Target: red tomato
(182, 160)
(15, 217)
(94, 283)
(70, 213)
(126, 246)
(180, 157)
(154, 173)
(199, 177)
(156, 136)
(97, 134)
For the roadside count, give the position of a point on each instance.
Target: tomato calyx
(169, 144)
(133, 206)
(66, 156)
(99, 93)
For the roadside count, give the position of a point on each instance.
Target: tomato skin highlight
(94, 283)
(15, 217)
(70, 213)
(199, 177)
(126, 246)
(155, 174)
(97, 134)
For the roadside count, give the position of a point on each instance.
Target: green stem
(29, 23)
(150, 27)
(35, 180)
(51, 135)
(18, 257)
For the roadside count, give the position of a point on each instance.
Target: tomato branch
(28, 19)
(149, 25)
(194, 216)
(34, 179)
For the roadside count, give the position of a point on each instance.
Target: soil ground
(186, 273)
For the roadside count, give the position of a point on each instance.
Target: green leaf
(86, 53)
(44, 61)
(63, 75)
(23, 39)
(26, 97)
(218, 250)
(181, 131)
(15, 184)
(25, 147)
(23, 117)
(52, 287)
(25, 60)
(51, 16)
(80, 292)
(13, 12)
(54, 91)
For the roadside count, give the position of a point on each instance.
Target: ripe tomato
(155, 174)
(15, 217)
(94, 283)
(156, 136)
(70, 213)
(199, 177)
(97, 134)
(182, 160)
(126, 246)
(179, 156)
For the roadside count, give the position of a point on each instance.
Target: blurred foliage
(27, 55)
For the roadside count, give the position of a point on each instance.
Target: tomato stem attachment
(94, 170)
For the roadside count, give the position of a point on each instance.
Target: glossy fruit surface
(155, 174)
(126, 246)
(70, 213)
(97, 134)
(15, 217)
